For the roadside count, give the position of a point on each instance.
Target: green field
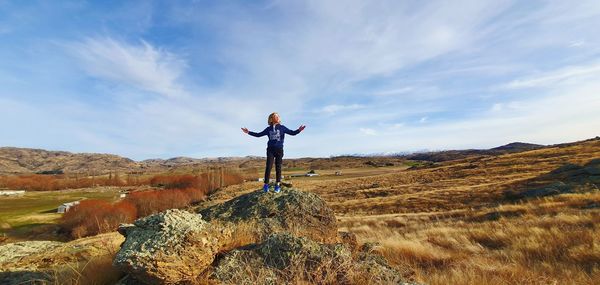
(21, 214)
(345, 173)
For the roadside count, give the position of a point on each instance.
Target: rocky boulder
(51, 262)
(301, 213)
(286, 259)
(14, 252)
(169, 247)
(16, 266)
(297, 242)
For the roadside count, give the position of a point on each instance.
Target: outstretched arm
(293, 133)
(263, 133)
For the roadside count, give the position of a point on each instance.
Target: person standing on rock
(276, 132)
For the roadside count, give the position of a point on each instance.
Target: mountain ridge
(15, 160)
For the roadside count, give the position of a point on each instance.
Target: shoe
(277, 188)
(266, 188)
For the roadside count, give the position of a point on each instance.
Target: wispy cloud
(368, 131)
(331, 109)
(139, 65)
(575, 44)
(420, 75)
(562, 75)
(396, 91)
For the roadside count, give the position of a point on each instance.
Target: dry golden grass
(96, 271)
(551, 241)
(452, 223)
(84, 261)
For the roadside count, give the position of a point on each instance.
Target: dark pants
(274, 153)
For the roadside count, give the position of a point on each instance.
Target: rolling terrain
(483, 219)
(15, 160)
(520, 214)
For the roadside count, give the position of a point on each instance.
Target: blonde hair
(271, 119)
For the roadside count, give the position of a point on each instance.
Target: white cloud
(396, 91)
(562, 75)
(141, 66)
(325, 47)
(399, 61)
(506, 106)
(331, 109)
(576, 44)
(397, 125)
(368, 131)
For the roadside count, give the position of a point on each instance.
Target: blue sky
(158, 79)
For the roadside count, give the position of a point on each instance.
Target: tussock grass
(551, 243)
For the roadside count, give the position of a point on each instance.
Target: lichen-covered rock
(12, 252)
(245, 267)
(279, 259)
(301, 213)
(12, 268)
(279, 251)
(285, 259)
(297, 243)
(169, 247)
(50, 262)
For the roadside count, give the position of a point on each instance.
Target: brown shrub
(36, 182)
(154, 201)
(207, 181)
(177, 181)
(91, 217)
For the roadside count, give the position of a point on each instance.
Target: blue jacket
(276, 134)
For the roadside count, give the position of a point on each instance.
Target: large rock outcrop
(51, 262)
(286, 259)
(301, 213)
(169, 247)
(293, 234)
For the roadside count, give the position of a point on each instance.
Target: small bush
(40, 182)
(91, 217)
(208, 181)
(154, 201)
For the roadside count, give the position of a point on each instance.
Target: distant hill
(26, 160)
(446, 155)
(516, 147)
(15, 160)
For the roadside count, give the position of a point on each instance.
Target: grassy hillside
(459, 222)
(530, 217)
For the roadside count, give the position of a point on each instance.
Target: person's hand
(245, 130)
(301, 128)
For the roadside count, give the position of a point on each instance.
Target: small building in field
(308, 174)
(11, 192)
(66, 206)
